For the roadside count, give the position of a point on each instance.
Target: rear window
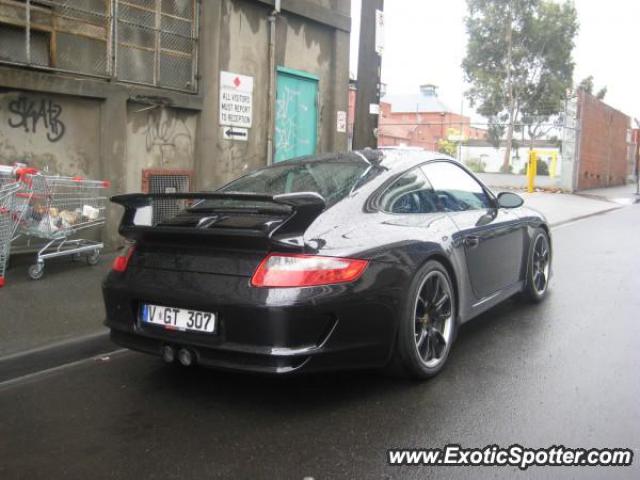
(332, 180)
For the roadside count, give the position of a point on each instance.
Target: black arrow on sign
(233, 133)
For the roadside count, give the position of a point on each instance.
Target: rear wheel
(539, 267)
(427, 329)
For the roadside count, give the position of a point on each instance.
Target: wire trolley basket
(11, 175)
(58, 208)
(8, 219)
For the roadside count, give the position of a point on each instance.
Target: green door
(296, 114)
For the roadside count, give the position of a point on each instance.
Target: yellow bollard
(554, 164)
(532, 169)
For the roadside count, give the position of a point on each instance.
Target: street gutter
(61, 353)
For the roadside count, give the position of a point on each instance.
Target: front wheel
(93, 258)
(538, 268)
(427, 329)
(36, 271)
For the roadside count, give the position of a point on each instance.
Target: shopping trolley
(58, 208)
(8, 218)
(12, 175)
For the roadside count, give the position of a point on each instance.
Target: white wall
(493, 157)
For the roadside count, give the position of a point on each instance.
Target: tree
(587, 85)
(495, 132)
(519, 61)
(449, 145)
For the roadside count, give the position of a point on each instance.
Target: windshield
(333, 180)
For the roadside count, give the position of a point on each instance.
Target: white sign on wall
(236, 100)
(341, 121)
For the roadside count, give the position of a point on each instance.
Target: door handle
(471, 241)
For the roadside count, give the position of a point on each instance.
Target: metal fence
(151, 42)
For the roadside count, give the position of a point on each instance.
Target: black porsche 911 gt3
(362, 259)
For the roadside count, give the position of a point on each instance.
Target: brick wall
(421, 129)
(603, 144)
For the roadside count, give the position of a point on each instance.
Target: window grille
(151, 42)
(160, 180)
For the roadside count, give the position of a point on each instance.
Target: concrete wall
(114, 130)
(241, 41)
(51, 132)
(492, 158)
(310, 36)
(158, 138)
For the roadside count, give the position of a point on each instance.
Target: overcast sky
(425, 42)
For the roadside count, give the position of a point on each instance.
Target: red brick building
(421, 120)
(351, 110)
(604, 144)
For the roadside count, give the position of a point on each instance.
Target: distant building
(600, 152)
(422, 120)
(351, 110)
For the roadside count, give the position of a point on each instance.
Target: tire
(538, 268)
(93, 258)
(428, 325)
(36, 271)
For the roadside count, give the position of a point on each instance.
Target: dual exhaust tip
(184, 356)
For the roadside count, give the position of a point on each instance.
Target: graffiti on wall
(166, 132)
(296, 116)
(33, 113)
(286, 122)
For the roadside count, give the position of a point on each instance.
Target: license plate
(179, 318)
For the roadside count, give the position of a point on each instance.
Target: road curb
(583, 217)
(634, 198)
(50, 356)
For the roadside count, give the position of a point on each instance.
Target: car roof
(392, 159)
(400, 159)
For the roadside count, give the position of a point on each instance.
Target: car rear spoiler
(305, 208)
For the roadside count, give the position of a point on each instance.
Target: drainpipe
(272, 80)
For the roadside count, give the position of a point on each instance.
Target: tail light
(121, 262)
(282, 270)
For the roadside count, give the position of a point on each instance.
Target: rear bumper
(276, 331)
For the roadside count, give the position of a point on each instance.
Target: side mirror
(509, 200)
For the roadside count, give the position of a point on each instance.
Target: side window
(455, 189)
(411, 193)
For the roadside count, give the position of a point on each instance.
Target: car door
(492, 238)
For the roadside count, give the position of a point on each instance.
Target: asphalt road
(564, 372)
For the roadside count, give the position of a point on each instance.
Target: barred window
(151, 42)
(71, 35)
(156, 42)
